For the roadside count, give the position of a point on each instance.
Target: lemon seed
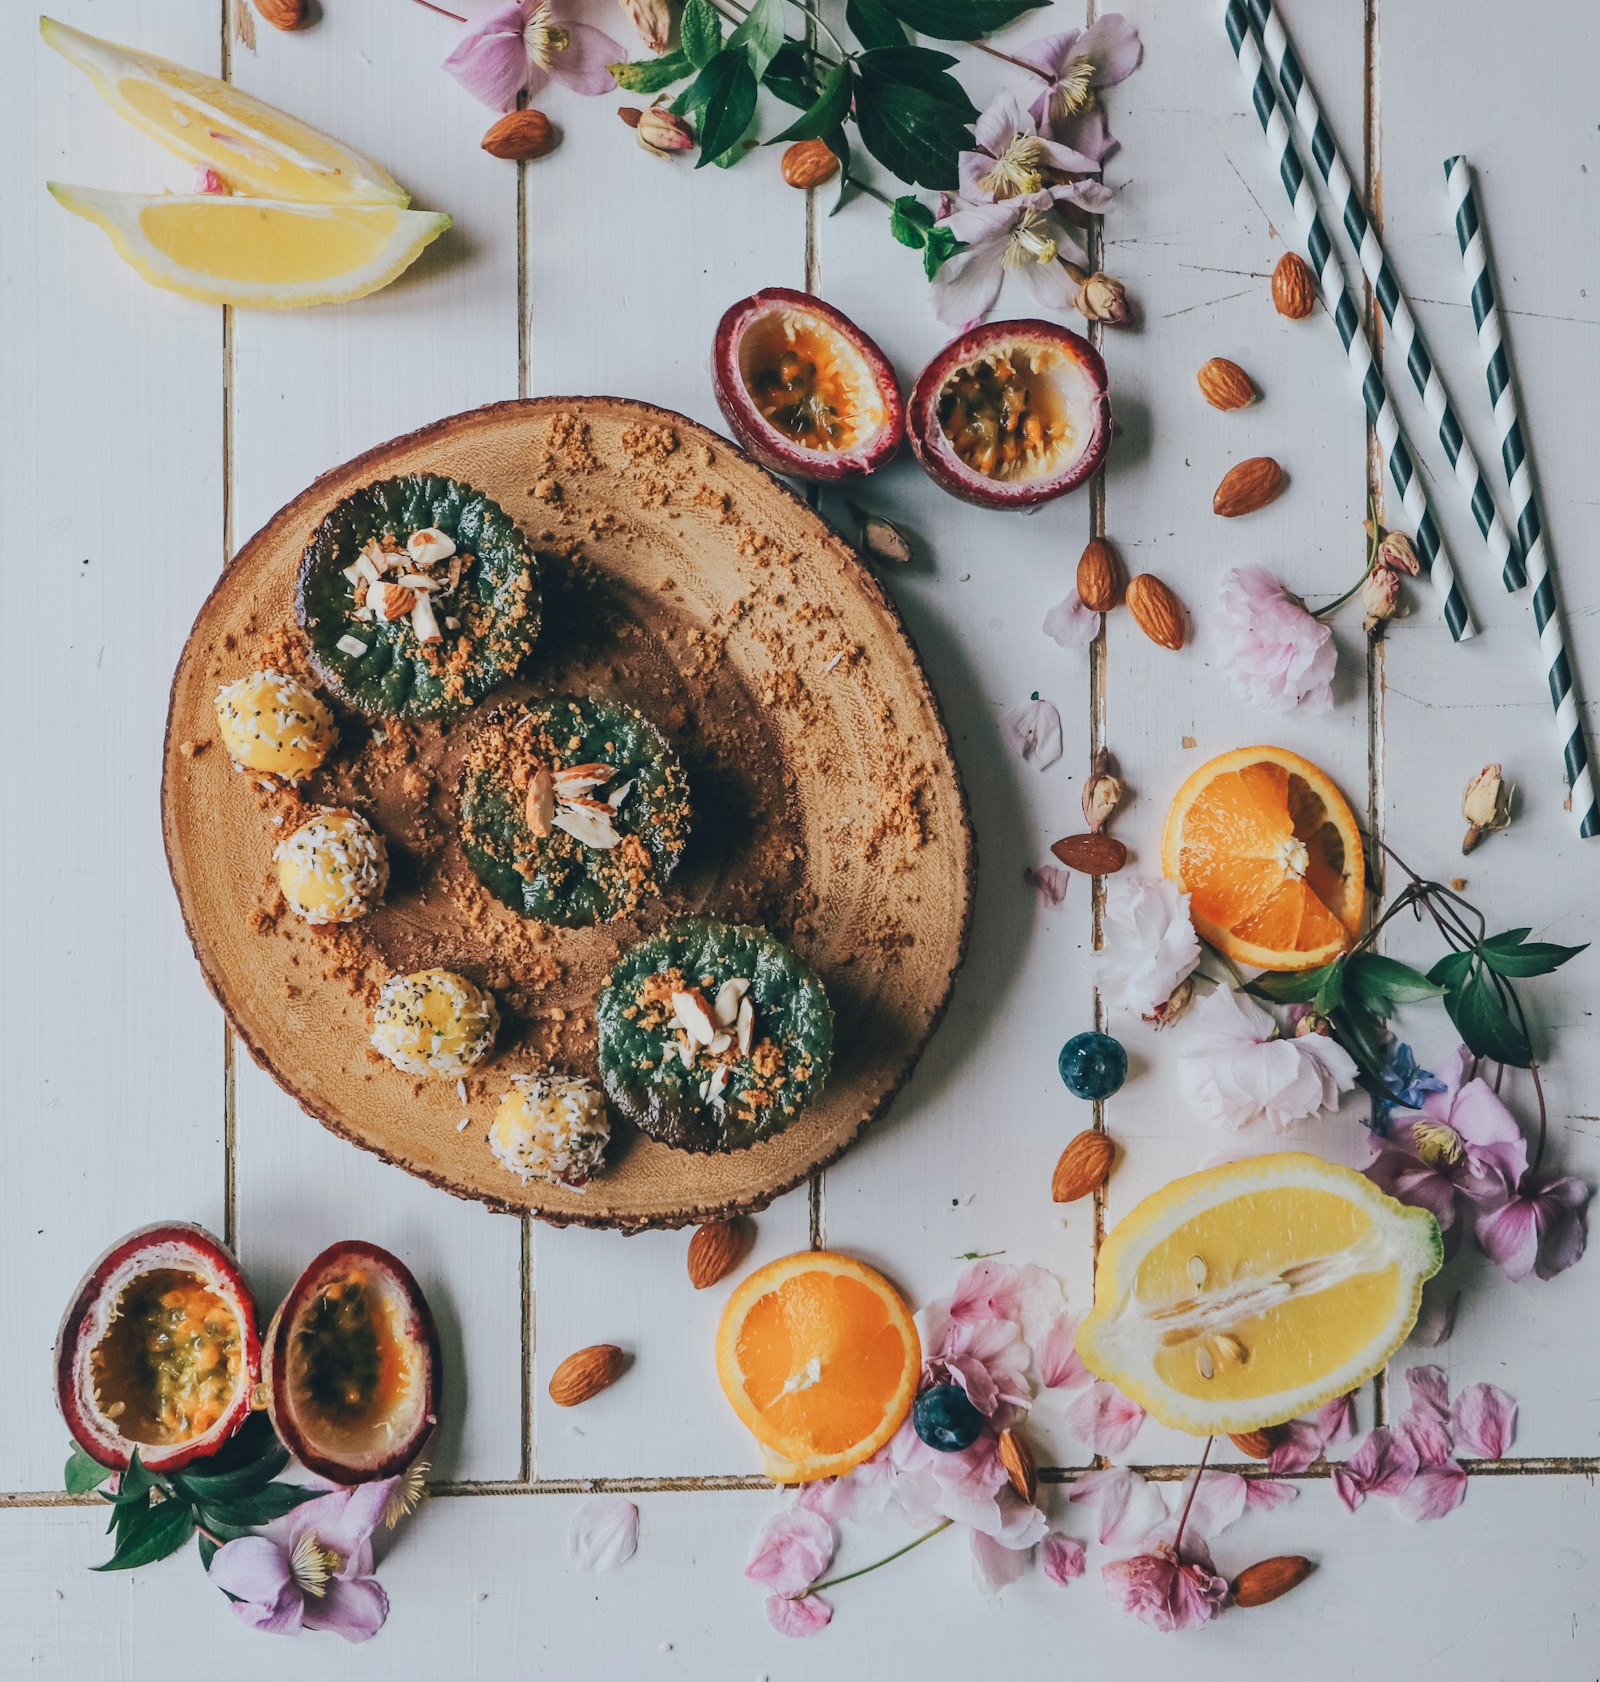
(1230, 1346)
(1208, 1367)
(1197, 1271)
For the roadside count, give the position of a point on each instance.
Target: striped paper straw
(1524, 497)
(1391, 300)
(1336, 295)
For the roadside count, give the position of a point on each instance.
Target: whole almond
(398, 601)
(1083, 1167)
(585, 1374)
(1254, 1445)
(1095, 854)
(1100, 576)
(1156, 611)
(1225, 385)
(808, 163)
(1247, 486)
(716, 1250)
(1294, 288)
(540, 806)
(1264, 1581)
(1021, 1471)
(520, 135)
(282, 14)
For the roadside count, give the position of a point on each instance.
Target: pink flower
(1070, 624)
(1439, 1483)
(1061, 1557)
(1129, 1507)
(1236, 1070)
(1049, 882)
(1148, 943)
(1275, 653)
(1539, 1229)
(1106, 1419)
(1019, 236)
(798, 1617)
(1295, 1446)
(1267, 1493)
(1075, 65)
(604, 1534)
(519, 46)
(1166, 1590)
(792, 1550)
(1384, 1464)
(1056, 1357)
(1034, 730)
(1011, 157)
(1484, 1421)
(1335, 1421)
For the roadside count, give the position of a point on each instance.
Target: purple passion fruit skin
(353, 1365)
(158, 1350)
(803, 389)
(1012, 414)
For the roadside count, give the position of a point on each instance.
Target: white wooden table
(146, 436)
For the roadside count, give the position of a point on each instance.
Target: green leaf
(913, 117)
(1485, 1025)
(700, 32)
(1514, 954)
(910, 221)
(260, 1507)
(250, 1462)
(651, 75)
(760, 34)
(208, 1552)
(723, 96)
(1295, 987)
(1361, 1034)
(840, 147)
(919, 67)
(960, 20)
(1330, 995)
(151, 1534)
(1382, 983)
(83, 1472)
(1451, 970)
(941, 247)
(789, 77)
(873, 24)
(827, 113)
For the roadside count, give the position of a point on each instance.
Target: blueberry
(945, 1419)
(1093, 1065)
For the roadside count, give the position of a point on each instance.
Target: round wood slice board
(681, 578)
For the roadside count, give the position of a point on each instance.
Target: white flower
(1149, 945)
(1236, 1070)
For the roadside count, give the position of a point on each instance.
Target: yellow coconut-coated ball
(333, 868)
(270, 722)
(551, 1127)
(434, 1022)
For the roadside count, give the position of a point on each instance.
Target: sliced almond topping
(694, 1016)
(720, 1043)
(686, 1051)
(392, 601)
(715, 1086)
(728, 997)
(575, 780)
(456, 564)
(419, 582)
(424, 623)
(429, 545)
(540, 807)
(616, 797)
(747, 1025)
(588, 822)
(353, 646)
(365, 568)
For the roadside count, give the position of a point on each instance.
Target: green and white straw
(1346, 317)
(1524, 498)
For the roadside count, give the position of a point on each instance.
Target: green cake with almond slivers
(418, 596)
(573, 811)
(713, 1036)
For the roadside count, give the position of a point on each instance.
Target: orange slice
(1269, 852)
(818, 1355)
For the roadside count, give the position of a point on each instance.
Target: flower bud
(1486, 805)
(1102, 792)
(663, 132)
(1176, 1003)
(1101, 298)
(1312, 1023)
(1380, 597)
(652, 19)
(1396, 553)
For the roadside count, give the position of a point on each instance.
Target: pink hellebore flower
(1539, 1228)
(791, 1552)
(1075, 65)
(1012, 159)
(1020, 236)
(311, 1569)
(519, 46)
(1275, 653)
(1167, 1590)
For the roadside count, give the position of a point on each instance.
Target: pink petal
(284, 1615)
(1061, 1557)
(584, 64)
(994, 1565)
(1383, 1464)
(1430, 1392)
(1048, 53)
(1438, 1488)
(965, 288)
(1218, 1501)
(1485, 1421)
(1509, 1236)
(1106, 1419)
(1070, 624)
(1056, 1357)
(798, 1617)
(1428, 1436)
(1113, 43)
(604, 1533)
(1437, 1319)
(1034, 730)
(354, 1607)
(1129, 1507)
(1050, 882)
(1267, 1493)
(489, 60)
(251, 1568)
(791, 1552)
(1335, 1421)
(1299, 1443)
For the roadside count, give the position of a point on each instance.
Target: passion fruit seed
(792, 396)
(989, 414)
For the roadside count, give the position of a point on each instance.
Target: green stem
(847, 1576)
(1339, 601)
(867, 188)
(822, 24)
(994, 52)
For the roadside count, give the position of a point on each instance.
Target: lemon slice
(257, 253)
(255, 147)
(1243, 1296)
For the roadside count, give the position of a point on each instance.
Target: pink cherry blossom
(1384, 1464)
(1438, 1488)
(798, 1617)
(792, 1550)
(1129, 1508)
(1335, 1421)
(1484, 1421)
(1061, 1557)
(1430, 1394)
(1106, 1419)
(1056, 1357)
(1273, 651)
(1294, 1447)
(1166, 1590)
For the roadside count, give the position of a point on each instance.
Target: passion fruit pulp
(1012, 414)
(158, 1351)
(352, 1365)
(803, 389)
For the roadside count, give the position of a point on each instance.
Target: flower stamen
(1437, 1145)
(1075, 87)
(1017, 170)
(1030, 243)
(311, 1565)
(407, 1495)
(541, 38)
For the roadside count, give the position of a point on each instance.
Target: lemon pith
(1237, 1298)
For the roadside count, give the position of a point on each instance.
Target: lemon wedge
(257, 253)
(253, 146)
(1240, 1297)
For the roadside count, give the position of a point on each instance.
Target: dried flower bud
(1313, 1023)
(1178, 1001)
(1486, 805)
(652, 19)
(1102, 793)
(1397, 553)
(1380, 597)
(663, 132)
(882, 539)
(1101, 298)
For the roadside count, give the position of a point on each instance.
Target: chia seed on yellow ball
(333, 868)
(434, 1023)
(273, 723)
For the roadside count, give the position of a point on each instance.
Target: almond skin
(808, 163)
(1264, 1581)
(1083, 1167)
(1225, 385)
(1021, 1471)
(716, 1250)
(1294, 287)
(1095, 854)
(520, 135)
(1100, 576)
(586, 1374)
(1247, 486)
(282, 14)
(1156, 611)
(398, 601)
(1254, 1445)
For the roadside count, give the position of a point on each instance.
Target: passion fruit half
(803, 389)
(158, 1351)
(1012, 414)
(352, 1365)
